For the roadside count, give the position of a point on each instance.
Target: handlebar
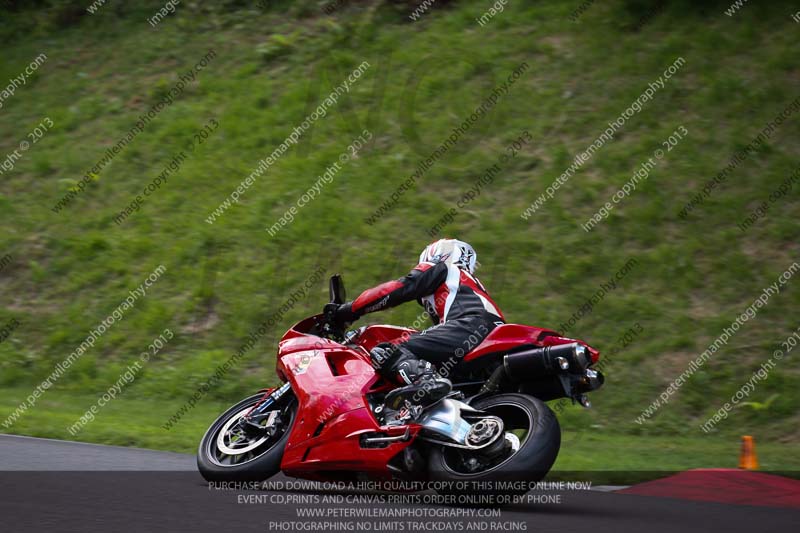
(331, 327)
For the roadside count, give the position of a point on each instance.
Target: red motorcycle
(328, 421)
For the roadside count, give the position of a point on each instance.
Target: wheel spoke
(516, 428)
(231, 446)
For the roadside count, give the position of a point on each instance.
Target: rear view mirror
(337, 292)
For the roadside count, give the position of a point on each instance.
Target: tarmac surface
(66, 486)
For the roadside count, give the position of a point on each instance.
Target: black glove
(341, 313)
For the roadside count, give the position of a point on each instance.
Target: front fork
(251, 423)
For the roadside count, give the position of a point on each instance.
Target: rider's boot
(421, 385)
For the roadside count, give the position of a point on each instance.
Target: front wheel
(533, 439)
(234, 451)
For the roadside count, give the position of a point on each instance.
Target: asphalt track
(48, 485)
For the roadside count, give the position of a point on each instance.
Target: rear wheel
(232, 450)
(532, 441)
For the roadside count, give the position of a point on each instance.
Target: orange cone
(747, 458)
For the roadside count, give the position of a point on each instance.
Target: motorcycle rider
(461, 309)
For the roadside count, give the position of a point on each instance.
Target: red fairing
(509, 336)
(330, 383)
(295, 341)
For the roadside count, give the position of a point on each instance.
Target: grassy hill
(266, 67)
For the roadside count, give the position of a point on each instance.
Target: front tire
(228, 454)
(534, 437)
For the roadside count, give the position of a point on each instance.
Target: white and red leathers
(458, 303)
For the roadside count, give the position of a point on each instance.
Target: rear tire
(262, 462)
(536, 433)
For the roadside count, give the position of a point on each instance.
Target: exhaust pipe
(573, 358)
(593, 380)
(550, 360)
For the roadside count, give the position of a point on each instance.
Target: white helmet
(451, 251)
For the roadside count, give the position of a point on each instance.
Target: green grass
(71, 269)
(128, 420)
